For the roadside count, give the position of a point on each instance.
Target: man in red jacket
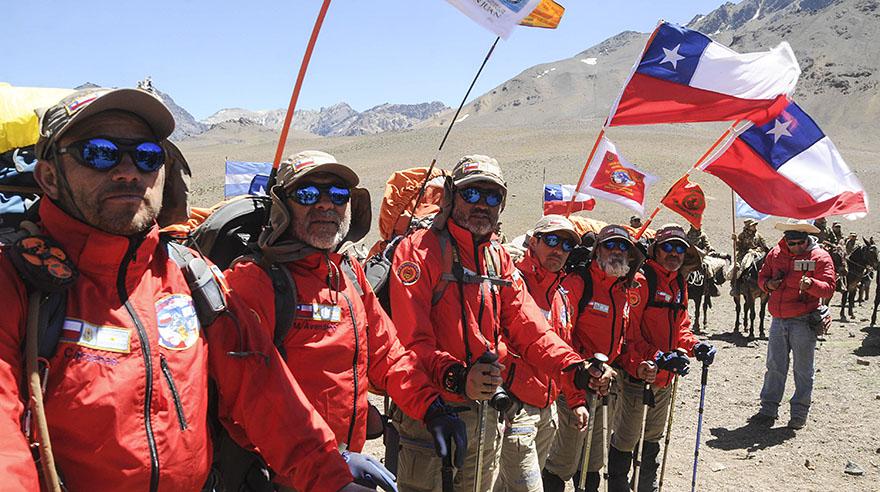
(456, 304)
(126, 390)
(797, 273)
(529, 430)
(602, 305)
(340, 341)
(660, 334)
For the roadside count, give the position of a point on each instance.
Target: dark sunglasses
(553, 240)
(621, 245)
(103, 154)
(310, 194)
(797, 242)
(669, 247)
(474, 195)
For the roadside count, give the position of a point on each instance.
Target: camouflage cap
(473, 168)
(750, 222)
(671, 232)
(558, 224)
(307, 162)
(57, 119)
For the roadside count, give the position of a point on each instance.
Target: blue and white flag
(243, 178)
(744, 211)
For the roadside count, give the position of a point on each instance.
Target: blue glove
(446, 428)
(705, 353)
(369, 472)
(674, 362)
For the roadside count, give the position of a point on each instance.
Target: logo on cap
(76, 104)
(301, 164)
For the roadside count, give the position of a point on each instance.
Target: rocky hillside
(339, 119)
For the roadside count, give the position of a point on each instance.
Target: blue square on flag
(674, 54)
(259, 185)
(240, 176)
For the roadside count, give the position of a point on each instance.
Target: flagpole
(697, 165)
(584, 172)
(733, 223)
(288, 118)
(449, 129)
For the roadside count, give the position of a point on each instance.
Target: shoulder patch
(408, 273)
(633, 297)
(177, 320)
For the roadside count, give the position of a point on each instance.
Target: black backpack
(19, 193)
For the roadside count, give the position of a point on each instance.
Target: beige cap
(796, 226)
(299, 165)
(473, 168)
(749, 222)
(558, 224)
(57, 119)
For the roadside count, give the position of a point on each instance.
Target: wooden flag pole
(288, 118)
(733, 223)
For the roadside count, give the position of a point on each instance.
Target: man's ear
(47, 177)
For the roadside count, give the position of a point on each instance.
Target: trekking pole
(647, 401)
(597, 362)
(668, 430)
(488, 357)
(605, 441)
(449, 129)
(703, 379)
(446, 472)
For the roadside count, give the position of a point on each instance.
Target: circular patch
(408, 273)
(178, 323)
(633, 297)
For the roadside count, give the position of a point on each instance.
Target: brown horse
(862, 258)
(703, 284)
(746, 283)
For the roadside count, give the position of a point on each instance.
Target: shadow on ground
(735, 338)
(870, 344)
(751, 437)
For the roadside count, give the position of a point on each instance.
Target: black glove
(674, 362)
(367, 471)
(445, 427)
(705, 353)
(582, 377)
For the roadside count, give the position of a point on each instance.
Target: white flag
(498, 16)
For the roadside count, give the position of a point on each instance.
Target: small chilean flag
(789, 168)
(557, 199)
(683, 76)
(609, 176)
(71, 330)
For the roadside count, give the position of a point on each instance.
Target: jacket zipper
(181, 418)
(613, 317)
(148, 364)
(354, 367)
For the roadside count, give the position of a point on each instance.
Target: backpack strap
(202, 280)
(651, 277)
(285, 302)
(348, 269)
(587, 294)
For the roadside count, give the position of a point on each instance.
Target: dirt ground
(734, 455)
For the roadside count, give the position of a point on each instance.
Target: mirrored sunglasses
(554, 240)
(310, 194)
(670, 246)
(472, 196)
(621, 245)
(103, 154)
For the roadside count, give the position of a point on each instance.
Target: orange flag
(686, 199)
(547, 15)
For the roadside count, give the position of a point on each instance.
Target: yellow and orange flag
(546, 15)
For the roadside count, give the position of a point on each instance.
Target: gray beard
(614, 267)
(324, 242)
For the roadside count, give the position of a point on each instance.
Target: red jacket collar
(93, 251)
(663, 273)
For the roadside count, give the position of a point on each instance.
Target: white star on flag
(672, 56)
(779, 130)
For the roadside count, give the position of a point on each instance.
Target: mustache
(325, 215)
(117, 188)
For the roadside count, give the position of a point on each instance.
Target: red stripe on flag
(648, 100)
(769, 192)
(560, 207)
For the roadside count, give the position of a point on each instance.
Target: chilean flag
(683, 76)
(789, 168)
(558, 197)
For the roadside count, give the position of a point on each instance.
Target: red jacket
(605, 319)
(337, 357)
(661, 328)
(131, 348)
(494, 315)
(526, 382)
(787, 301)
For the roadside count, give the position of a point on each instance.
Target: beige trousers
(628, 424)
(524, 448)
(419, 467)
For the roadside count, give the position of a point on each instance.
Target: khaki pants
(629, 415)
(527, 439)
(565, 454)
(419, 467)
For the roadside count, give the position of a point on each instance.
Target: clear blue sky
(210, 55)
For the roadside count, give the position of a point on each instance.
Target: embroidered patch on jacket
(109, 338)
(598, 306)
(178, 323)
(633, 297)
(408, 273)
(665, 296)
(319, 312)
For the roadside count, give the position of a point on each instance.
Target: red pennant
(686, 199)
